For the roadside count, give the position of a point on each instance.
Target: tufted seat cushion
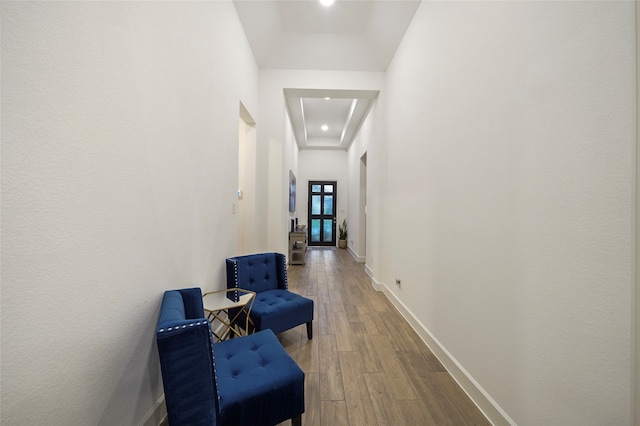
(277, 309)
(255, 371)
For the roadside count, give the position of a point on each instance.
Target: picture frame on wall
(292, 192)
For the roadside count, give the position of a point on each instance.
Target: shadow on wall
(136, 394)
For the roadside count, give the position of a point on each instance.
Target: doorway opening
(362, 210)
(245, 206)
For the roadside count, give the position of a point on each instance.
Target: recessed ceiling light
(326, 2)
(324, 127)
(326, 98)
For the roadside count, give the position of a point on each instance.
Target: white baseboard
(359, 259)
(496, 415)
(374, 283)
(157, 415)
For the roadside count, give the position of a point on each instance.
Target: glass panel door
(322, 213)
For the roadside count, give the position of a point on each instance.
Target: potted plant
(342, 238)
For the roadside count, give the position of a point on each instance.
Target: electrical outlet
(398, 282)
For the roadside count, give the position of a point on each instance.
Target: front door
(322, 213)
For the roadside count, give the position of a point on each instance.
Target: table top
(218, 300)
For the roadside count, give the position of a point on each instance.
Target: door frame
(333, 216)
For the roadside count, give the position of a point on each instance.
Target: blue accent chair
(249, 380)
(274, 307)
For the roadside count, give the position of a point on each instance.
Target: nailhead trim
(286, 279)
(162, 330)
(235, 275)
(213, 364)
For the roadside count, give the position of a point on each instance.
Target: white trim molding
(489, 407)
(157, 415)
(359, 259)
(377, 286)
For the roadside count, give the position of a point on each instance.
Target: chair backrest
(185, 346)
(257, 272)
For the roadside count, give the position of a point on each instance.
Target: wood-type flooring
(365, 364)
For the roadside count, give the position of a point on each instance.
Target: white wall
(364, 237)
(291, 159)
(510, 147)
(119, 169)
(322, 165)
(247, 211)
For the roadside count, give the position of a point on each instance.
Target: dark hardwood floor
(365, 364)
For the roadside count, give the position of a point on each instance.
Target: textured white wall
(291, 159)
(322, 165)
(367, 141)
(119, 168)
(510, 145)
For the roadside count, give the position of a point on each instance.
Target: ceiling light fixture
(326, 2)
(324, 127)
(327, 98)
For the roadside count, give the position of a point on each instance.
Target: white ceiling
(343, 113)
(350, 35)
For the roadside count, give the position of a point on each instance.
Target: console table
(297, 247)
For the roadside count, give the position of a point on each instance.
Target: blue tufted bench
(250, 380)
(274, 307)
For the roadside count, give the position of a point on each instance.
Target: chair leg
(310, 330)
(297, 421)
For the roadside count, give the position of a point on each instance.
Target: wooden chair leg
(310, 330)
(296, 421)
